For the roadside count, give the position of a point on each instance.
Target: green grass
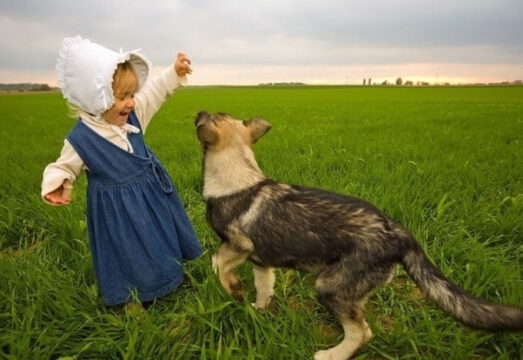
(445, 162)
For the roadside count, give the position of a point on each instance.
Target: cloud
(269, 32)
(354, 74)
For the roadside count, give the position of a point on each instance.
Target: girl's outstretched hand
(182, 65)
(60, 196)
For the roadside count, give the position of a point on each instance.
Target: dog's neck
(229, 171)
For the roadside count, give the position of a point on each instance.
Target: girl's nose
(130, 103)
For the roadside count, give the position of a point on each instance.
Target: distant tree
(409, 83)
(364, 82)
(370, 81)
(385, 83)
(399, 81)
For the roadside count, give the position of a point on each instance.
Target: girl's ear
(258, 126)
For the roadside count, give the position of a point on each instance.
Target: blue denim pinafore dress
(138, 228)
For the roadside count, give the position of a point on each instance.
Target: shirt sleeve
(67, 167)
(155, 92)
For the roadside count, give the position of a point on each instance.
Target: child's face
(119, 112)
(125, 84)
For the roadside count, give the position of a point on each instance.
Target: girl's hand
(60, 196)
(182, 64)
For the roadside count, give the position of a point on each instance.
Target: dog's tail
(459, 304)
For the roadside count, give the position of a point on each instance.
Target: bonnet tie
(122, 132)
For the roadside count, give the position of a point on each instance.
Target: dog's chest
(217, 217)
(222, 212)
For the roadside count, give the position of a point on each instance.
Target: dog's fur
(351, 246)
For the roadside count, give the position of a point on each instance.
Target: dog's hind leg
(264, 279)
(356, 330)
(224, 261)
(344, 293)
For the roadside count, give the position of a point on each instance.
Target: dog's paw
(331, 354)
(367, 335)
(258, 307)
(238, 291)
(261, 304)
(323, 355)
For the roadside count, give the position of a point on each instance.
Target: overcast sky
(248, 42)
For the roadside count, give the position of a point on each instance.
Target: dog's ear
(258, 126)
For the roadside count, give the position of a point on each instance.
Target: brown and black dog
(350, 245)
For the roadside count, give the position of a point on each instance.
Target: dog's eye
(217, 120)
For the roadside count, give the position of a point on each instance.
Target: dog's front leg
(264, 279)
(224, 261)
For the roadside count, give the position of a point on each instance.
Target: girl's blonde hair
(124, 79)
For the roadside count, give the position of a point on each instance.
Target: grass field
(445, 162)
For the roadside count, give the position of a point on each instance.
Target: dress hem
(192, 254)
(148, 296)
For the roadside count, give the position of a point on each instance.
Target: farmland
(446, 162)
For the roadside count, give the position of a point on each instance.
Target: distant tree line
(399, 82)
(282, 84)
(25, 87)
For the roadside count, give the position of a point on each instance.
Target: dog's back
(306, 228)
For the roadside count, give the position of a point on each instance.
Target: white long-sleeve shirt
(148, 100)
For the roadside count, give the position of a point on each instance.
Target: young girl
(138, 229)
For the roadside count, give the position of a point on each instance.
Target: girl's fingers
(55, 199)
(184, 60)
(181, 57)
(182, 69)
(182, 65)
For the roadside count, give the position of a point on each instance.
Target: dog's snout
(201, 116)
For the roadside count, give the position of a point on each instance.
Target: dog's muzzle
(201, 117)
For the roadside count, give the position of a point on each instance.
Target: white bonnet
(85, 73)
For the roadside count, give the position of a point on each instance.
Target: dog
(350, 245)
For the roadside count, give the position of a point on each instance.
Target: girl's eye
(123, 97)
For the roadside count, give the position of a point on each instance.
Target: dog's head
(219, 131)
